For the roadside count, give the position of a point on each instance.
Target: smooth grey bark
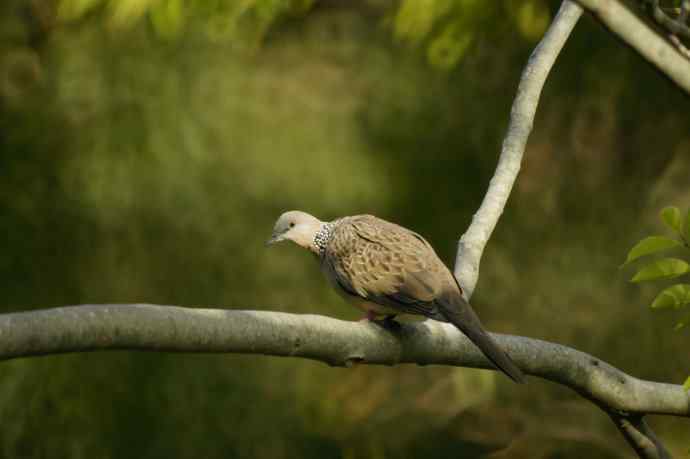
(147, 327)
(471, 244)
(642, 38)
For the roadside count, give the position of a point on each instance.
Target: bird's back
(386, 263)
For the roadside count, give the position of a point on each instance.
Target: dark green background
(136, 167)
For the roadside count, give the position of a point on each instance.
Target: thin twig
(639, 435)
(675, 26)
(684, 10)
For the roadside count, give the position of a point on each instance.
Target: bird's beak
(274, 238)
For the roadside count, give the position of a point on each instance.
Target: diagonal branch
(639, 36)
(472, 243)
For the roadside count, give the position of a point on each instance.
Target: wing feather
(386, 264)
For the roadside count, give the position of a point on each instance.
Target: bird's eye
(292, 224)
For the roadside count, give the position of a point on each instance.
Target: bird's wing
(386, 264)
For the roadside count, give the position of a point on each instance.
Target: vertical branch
(472, 243)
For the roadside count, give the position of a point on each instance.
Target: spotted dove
(385, 269)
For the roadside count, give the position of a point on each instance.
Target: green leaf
(675, 296)
(686, 384)
(651, 245)
(671, 216)
(663, 300)
(687, 228)
(666, 268)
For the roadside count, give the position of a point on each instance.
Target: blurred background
(146, 148)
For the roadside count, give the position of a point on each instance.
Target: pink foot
(368, 317)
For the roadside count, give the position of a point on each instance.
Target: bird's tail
(459, 312)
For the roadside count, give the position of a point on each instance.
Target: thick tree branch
(472, 243)
(648, 43)
(336, 342)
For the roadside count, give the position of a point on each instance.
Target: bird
(385, 270)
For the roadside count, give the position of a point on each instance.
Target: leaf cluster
(678, 295)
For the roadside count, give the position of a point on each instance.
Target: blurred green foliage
(244, 21)
(144, 157)
(446, 28)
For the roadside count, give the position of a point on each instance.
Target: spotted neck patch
(323, 235)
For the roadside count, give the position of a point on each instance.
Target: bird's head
(298, 227)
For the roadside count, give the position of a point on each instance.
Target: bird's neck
(321, 237)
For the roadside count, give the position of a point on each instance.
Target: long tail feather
(459, 312)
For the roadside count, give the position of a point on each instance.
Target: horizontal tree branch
(642, 38)
(176, 329)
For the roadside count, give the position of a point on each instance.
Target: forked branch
(471, 245)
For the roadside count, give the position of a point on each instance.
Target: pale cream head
(298, 227)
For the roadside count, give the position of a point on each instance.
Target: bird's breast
(357, 301)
